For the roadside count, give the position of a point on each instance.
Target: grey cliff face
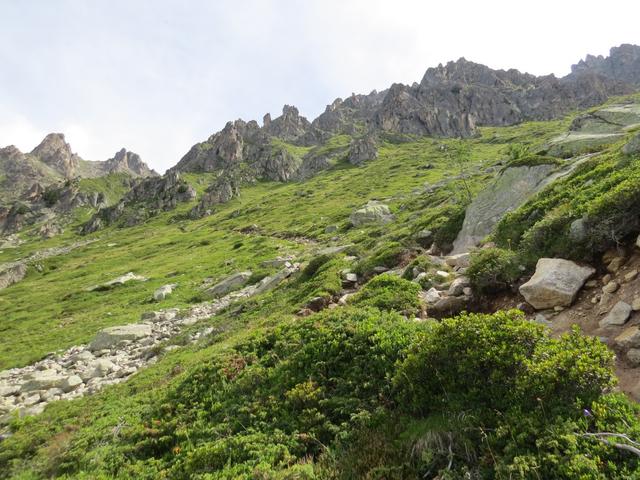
(622, 64)
(128, 162)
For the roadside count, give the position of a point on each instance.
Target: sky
(157, 76)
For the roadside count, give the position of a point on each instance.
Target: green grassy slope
(356, 392)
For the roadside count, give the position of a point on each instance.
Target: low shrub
(389, 293)
(493, 269)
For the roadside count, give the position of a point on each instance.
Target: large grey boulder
(618, 315)
(510, 190)
(372, 212)
(556, 282)
(42, 380)
(113, 336)
(229, 284)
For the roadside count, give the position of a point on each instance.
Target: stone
(70, 383)
(163, 292)
(9, 390)
(51, 394)
(629, 338)
(41, 380)
(615, 264)
(450, 305)
(591, 284)
(460, 260)
(610, 287)
(331, 229)
(431, 296)
(229, 284)
(271, 282)
(318, 303)
(633, 356)
(349, 279)
(278, 262)
(373, 212)
(121, 280)
(607, 278)
(458, 285)
(630, 275)
(443, 274)
(556, 282)
(638, 241)
(618, 315)
(113, 336)
(635, 304)
(97, 369)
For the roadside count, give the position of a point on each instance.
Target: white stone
(556, 282)
(113, 336)
(618, 315)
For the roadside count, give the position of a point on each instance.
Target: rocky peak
(56, 152)
(128, 162)
(290, 126)
(622, 64)
(10, 151)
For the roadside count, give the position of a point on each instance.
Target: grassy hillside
(359, 391)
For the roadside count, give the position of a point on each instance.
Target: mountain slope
(294, 324)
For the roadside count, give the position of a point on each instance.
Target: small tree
(459, 153)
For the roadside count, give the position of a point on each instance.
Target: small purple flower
(587, 413)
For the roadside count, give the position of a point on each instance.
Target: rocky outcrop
(632, 147)
(362, 150)
(594, 130)
(147, 198)
(229, 284)
(125, 161)
(55, 152)
(12, 274)
(623, 64)
(510, 190)
(555, 283)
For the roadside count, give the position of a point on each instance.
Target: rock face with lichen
(146, 198)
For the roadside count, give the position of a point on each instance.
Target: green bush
(278, 397)
(493, 269)
(422, 263)
(388, 255)
(390, 293)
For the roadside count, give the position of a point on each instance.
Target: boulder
(372, 212)
(450, 305)
(97, 369)
(431, 296)
(12, 274)
(121, 280)
(42, 380)
(362, 150)
(556, 282)
(113, 336)
(460, 260)
(229, 284)
(70, 383)
(163, 292)
(618, 315)
(632, 147)
(629, 338)
(458, 286)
